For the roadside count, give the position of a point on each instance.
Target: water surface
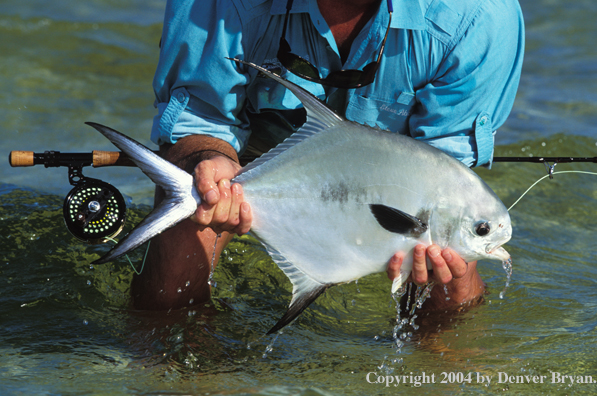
(65, 326)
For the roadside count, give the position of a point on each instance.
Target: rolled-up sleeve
(198, 90)
(460, 108)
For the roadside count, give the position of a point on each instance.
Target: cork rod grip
(21, 158)
(110, 158)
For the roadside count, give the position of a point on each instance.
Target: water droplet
(88, 283)
(507, 265)
(179, 290)
(191, 301)
(188, 283)
(85, 322)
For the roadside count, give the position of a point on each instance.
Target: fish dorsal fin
(319, 117)
(397, 221)
(305, 290)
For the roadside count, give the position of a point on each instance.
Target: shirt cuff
(173, 123)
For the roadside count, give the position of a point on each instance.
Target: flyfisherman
(442, 71)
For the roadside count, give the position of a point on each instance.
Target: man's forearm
(191, 150)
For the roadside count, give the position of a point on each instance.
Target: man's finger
(236, 200)
(441, 272)
(456, 264)
(245, 217)
(205, 174)
(393, 269)
(222, 209)
(419, 272)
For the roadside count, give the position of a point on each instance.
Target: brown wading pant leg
(179, 259)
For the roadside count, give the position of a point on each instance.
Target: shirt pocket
(387, 114)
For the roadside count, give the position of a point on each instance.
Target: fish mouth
(496, 251)
(499, 253)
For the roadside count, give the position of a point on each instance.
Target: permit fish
(336, 200)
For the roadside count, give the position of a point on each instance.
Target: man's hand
(222, 207)
(462, 279)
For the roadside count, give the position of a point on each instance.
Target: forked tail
(181, 197)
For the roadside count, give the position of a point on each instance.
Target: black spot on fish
(336, 193)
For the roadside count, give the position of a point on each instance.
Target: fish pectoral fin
(299, 302)
(397, 221)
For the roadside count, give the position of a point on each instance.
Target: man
(442, 71)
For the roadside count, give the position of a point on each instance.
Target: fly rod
(99, 158)
(95, 211)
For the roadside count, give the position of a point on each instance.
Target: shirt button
(180, 96)
(483, 120)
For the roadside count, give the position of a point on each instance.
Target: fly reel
(94, 211)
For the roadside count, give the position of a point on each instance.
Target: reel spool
(94, 211)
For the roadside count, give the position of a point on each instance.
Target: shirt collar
(407, 13)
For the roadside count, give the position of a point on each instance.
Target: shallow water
(65, 327)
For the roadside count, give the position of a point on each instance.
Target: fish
(336, 200)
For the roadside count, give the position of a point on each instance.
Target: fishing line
(549, 175)
(129, 260)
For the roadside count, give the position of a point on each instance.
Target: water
(65, 327)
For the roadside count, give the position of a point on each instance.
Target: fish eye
(482, 228)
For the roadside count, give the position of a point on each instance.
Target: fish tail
(181, 197)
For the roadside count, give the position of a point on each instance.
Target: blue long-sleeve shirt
(448, 76)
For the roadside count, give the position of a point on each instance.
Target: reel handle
(97, 158)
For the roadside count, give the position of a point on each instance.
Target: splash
(507, 265)
(404, 326)
(270, 347)
(210, 281)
